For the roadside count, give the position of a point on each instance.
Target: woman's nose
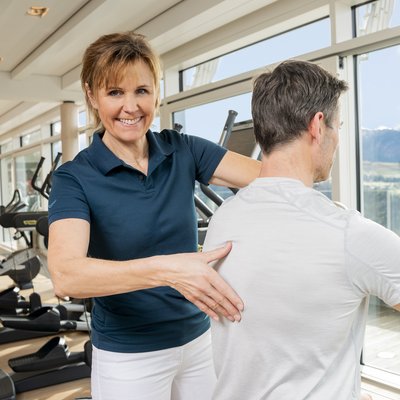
(130, 104)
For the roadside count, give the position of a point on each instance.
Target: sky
(379, 89)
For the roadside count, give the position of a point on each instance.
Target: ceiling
(41, 56)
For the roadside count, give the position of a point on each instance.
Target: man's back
(304, 273)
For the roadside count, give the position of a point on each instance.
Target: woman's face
(127, 109)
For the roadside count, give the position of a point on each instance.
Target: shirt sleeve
(207, 156)
(374, 259)
(67, 198)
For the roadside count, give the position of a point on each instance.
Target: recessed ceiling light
(35, 11)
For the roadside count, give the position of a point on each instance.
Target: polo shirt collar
(159, 150)
(106, 160)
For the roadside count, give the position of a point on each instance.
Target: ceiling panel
(6, 105)
(25, 32)
(40, 57)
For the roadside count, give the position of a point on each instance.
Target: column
(69, 130)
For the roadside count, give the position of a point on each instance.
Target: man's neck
(293, 160)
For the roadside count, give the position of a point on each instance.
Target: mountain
(381, 145)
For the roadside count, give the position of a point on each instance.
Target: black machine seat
(25, 220)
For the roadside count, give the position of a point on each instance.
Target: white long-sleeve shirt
(304, 269)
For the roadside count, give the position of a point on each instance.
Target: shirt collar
(106, 160)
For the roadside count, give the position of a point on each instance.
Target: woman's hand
(192, 276)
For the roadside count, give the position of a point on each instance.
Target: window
(162, 94)
(5, 147)
(55, 149)
(7, 190)
(10, 145)
(324, 187)
(25, 167)
(55, 128)
(30, 138)
(379, 137)
(208, 120)
(82, 141)
(376, 15)
(289, 44)
(82, 122)
(155, 126)
(6, 180)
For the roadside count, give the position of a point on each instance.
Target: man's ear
(90, 95)
(315, 127)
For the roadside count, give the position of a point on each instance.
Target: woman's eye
(142, 91)
(114, 92)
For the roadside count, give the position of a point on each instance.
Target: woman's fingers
(223, 299)
(222, 305)
(209, 300)
(209, 311)
(195, 279)
(217, 254)
(222, 293)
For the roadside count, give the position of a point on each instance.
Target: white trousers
(179, 373)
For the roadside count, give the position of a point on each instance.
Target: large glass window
(5, 147)
(82, 120)
(6, 180)
(289, 44)
(82, 141)
(7, 190)
(55, 128)
(162, 89)
(10, 145)
(25, 167)
(379, 133)
(324, 187)
(155, 126)
(55, 149)
(31, 137)
(377, 15)
(208, 120)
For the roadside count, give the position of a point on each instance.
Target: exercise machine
(52, 364)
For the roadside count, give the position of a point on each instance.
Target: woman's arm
(235, 170)
(76, 275)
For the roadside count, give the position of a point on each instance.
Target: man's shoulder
(229, 205)
(361, 226)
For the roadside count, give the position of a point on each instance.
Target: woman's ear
(91, 96)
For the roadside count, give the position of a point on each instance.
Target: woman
(123, 230)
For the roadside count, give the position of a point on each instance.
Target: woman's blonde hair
(105, 61)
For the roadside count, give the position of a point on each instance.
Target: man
(303, 267)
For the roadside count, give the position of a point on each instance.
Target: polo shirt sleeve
(374, 259)
(67, 198)
(206, 154)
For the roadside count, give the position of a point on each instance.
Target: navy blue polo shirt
(131, 216)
